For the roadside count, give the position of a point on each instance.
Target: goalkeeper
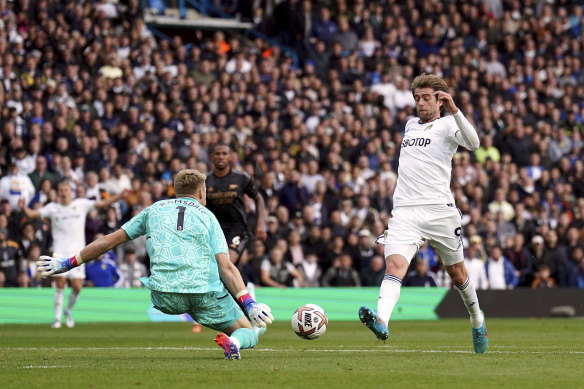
(188, 259)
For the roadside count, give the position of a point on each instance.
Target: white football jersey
(68, 225)
(425, 161)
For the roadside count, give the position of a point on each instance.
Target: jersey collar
(438, 118)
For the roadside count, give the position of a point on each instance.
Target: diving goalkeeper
(188, 260)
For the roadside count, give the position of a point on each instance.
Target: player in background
(225, 191)
(68, 232)
(424, 206)
(188, 260)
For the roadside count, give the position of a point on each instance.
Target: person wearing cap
(546, 252)
(365, 249)
(67, 217)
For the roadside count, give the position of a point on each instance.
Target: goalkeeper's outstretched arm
(230, 275)
(49, 266)
(260, 314)
(103, 244)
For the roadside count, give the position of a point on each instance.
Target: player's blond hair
(188, 181)
(429, 81)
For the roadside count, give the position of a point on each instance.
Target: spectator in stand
(10, 257)
(335, 105)
(474, 264)
(341, 273)
(520, 258)
(421, 276)
(104, 272)
(540, 256)
(131, 269)
(577, 275)
(324, 29)
(28, 276)
(16, 185)
(500, 272)
(278, 273)
(365, 250)
(372, 274)
(41, 172)
(310, 271)
(501, 204)
(543, 279)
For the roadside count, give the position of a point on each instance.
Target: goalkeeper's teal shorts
(216, 310)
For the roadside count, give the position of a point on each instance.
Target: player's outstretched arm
(29, 213)
(48, 266)
(260, 232)
(102, 204)
(260, 314)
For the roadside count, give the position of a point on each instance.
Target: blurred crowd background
(89, 95)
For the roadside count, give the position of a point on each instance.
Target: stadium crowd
(90, 95)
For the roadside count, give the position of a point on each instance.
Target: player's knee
(458, 278)
(396, 264)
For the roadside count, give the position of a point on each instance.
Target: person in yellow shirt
(487, 150)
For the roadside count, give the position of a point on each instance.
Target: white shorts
(410, 226)
(77, 273)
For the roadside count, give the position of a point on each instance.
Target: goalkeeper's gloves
(49, 266)
(260, 314)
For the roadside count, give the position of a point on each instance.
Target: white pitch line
(386, 349)
(45, 367)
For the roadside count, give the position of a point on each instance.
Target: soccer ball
(309, 321)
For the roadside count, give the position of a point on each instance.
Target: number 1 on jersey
(180, 221)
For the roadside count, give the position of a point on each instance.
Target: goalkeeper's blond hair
(188, 182)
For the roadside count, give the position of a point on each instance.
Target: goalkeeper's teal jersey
(182, 239)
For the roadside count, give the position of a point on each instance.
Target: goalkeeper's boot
(480, 338)
(230, 349)
(374, 323)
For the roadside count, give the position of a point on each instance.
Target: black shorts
(237, 239)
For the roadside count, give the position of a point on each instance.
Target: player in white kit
(424, 207)
(68, 232)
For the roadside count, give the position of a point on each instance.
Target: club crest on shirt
(232, 186)
(427, 128)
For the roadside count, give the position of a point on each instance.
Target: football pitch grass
(523, 353)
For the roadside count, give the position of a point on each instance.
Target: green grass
(526, 353)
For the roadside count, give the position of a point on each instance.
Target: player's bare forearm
(229, 274)
(261, 222)
(103, 245)
(110, 200)
(29, 213)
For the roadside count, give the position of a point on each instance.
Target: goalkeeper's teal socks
(244, 338)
